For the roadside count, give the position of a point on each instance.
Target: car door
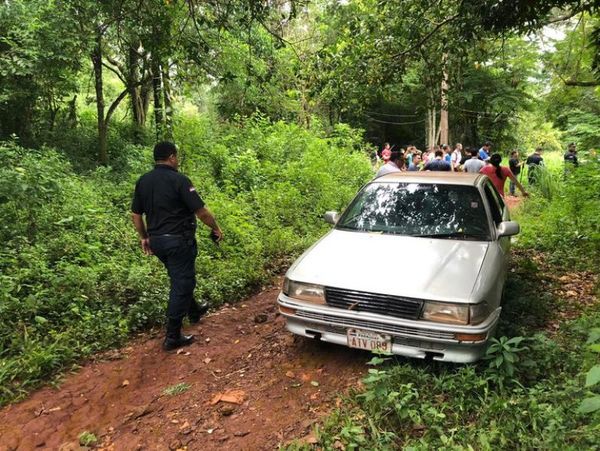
(499, 212)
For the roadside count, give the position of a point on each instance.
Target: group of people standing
(442, 158)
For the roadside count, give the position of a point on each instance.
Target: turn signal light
(287, 310)
(470, 337)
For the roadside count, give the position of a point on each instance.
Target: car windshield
(418, 209)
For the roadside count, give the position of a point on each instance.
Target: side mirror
(331, 217)
(508, 228)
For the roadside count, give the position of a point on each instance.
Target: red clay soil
(284, 385)
(513, 202)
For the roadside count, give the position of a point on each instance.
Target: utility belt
(188, 236)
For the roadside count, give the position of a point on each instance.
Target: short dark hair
(439, 153)
(163, 150)
(513, 152)
(487, 144)
(474, 152)
(445, 146)
(396, 156)
(538, 149)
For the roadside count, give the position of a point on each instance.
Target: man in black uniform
(571, 155)
(171, 204)
(534, 164)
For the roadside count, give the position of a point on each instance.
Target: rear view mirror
(331, 217)
(508, 228)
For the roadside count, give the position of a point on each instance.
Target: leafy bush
(72, 277)
(420, 406)
(567, 227)
(592, 378)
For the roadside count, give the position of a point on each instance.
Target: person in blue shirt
(415, 163)
(438, 164)
(484, 152)
(446, 150)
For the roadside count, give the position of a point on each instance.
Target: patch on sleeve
(192, 189)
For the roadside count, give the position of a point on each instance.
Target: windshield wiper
(450, 235)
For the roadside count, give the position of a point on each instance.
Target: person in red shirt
(498, 174)
(386, 153)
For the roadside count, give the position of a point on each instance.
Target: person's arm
(204, 215)
(140, 227)
(517, 183)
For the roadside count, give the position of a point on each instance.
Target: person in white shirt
(456, 157)
(395, 164)
(474, 164)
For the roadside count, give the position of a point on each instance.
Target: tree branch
(114, 106)
(426, 37)
(581, 83)
(562, 18)
(116, 72)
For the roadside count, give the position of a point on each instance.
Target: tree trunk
(98, 83)
(167, 91)
(135, 93)
(432, 131)
(72, 112)
(157, 89)
(444, 132)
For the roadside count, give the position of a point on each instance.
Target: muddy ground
(280, 386)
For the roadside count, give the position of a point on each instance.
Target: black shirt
(571, 157)
(169, 201)
(513, 164)
(534, 159)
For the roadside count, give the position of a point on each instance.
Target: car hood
(425, 268)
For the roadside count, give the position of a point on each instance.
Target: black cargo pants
(178, 254)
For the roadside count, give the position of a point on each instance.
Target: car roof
(444, 178)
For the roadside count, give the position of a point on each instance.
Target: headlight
(304, 291)
(479, 312)
(445, 313)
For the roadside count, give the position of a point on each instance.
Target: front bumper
(419, 339)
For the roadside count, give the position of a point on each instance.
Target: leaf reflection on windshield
(417, 209)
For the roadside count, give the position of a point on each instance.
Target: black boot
(175, 339)
(197, 311)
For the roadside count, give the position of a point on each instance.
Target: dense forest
(278, 108)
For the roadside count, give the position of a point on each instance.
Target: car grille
(360, 301)
(376, 326)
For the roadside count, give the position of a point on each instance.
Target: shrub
(73, 280)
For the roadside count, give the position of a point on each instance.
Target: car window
(417, 209)
(497, 196)
(492, 197)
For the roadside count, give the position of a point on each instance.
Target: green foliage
(532, 132)
(503, 355)
(422, 406)
(87, 438)
(73, 280)
(176, 389)
(40, 55)
(567, 228)
(592, 378)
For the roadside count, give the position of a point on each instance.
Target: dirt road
(243, 354)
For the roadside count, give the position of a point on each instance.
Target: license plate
(371, 341)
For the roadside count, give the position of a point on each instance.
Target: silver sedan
(415, 266)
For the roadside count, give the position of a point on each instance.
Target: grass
(176, 389)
